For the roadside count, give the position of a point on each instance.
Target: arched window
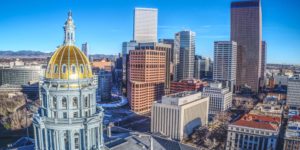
(76, 140)
(66, 140)
(81, 68)
(73, 69)
(54, 102)
(64, 102)
(64, 68)
(75, 102)
(86, 101)
(55, 69)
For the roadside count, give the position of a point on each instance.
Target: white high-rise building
(220, 98)
(184, 47)
(293, 92)
(178, 114)
(68, 118)
(145, 25)
(225, 57)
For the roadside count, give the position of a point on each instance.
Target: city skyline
(44, 21)
(146, 76)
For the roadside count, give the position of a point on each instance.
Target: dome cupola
(68, 62)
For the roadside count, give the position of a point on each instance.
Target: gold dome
(68, 62)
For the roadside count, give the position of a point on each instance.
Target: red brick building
(187, 85)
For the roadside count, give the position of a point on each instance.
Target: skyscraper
(263, 63)
(184, 45)
(85, 49)
(146, 78)
(246, 30)
(160, 47)
(225, 57)
(126, 47)
(67, 118)
(171, 60)
(197, 67)
(145, 25)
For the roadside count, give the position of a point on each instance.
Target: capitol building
(67, 118)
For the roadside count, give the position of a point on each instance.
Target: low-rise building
(187, 85)
(105, 64)
(20, 74)
(292, 134)
(178, 114)
(220, 98)
(254, 132)
(267, 109)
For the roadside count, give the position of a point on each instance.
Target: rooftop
(181, 94)
(123, 139)
(182, 98)
(258, 121)
(267, 109)
(293, 127)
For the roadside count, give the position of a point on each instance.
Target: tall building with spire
(67, 118)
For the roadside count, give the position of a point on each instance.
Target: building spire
(69, 29)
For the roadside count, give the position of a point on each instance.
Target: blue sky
(105, 24)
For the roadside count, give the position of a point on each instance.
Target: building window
(86, 102)
(55, 69)
(75, 115)
(65, 115)
(73, 69)
(64, 68)
(75, 102)
(86, 113)
(55, 114)
(64, 102)
(54, 103)
(66, 140)
(81, 68)
(76, 140)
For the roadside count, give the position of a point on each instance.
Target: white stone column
(41, 141)
(56, 141)
(83, 137)
(88, 138)
(50, 139)
(35, 139)
(101, 134)
(60, 140)
(97, 137)
(71, 140)
(46, 138)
